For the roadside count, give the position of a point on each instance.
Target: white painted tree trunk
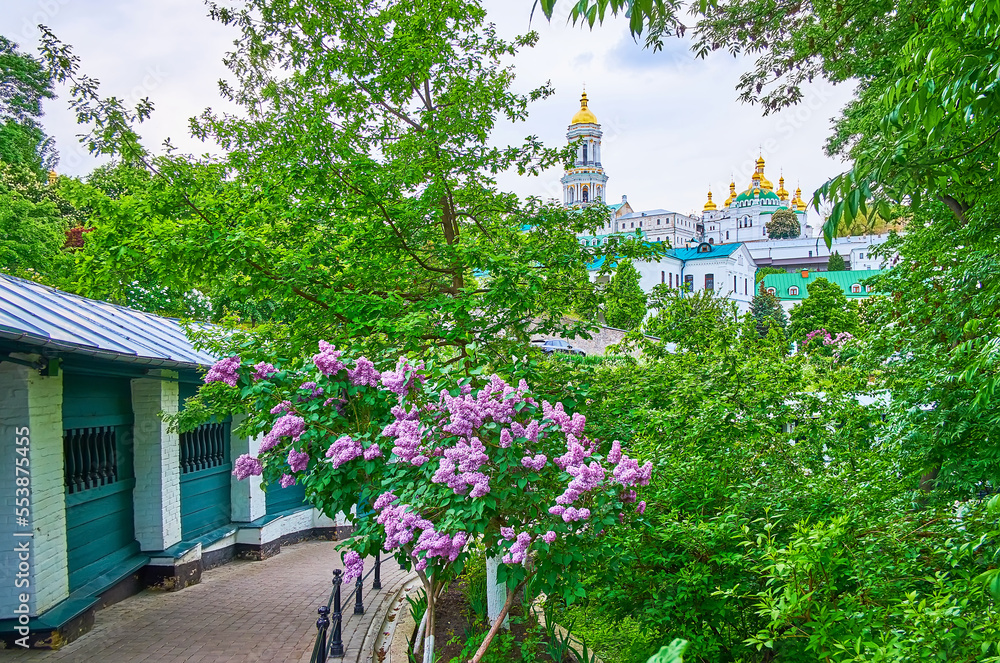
(496, 594)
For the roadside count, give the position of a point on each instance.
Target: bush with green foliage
(625, 302)
(768, 313)
(783, 224)
(836, 263)
(825, 307)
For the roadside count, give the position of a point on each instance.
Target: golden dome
(758, 175)
(732, 194)
(584, 116)
(53, 177)
(709, 206)
(798, 202)
(782, 194)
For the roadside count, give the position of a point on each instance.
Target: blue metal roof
(717, 251)
(38, 315)
(684, 255)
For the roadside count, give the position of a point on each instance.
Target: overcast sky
(672, 124)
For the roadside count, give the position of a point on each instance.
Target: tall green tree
(764, 271)
(767, 313)
(825, 307)
(836, 263)
(625, 302)
(691, 320)
(783, 224)
(24, 83)
(356, 196)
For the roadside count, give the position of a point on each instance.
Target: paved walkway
(243, 611)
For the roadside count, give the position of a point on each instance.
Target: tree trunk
(496, 625)
(496, 594)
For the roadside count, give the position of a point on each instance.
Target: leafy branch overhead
(356, 195)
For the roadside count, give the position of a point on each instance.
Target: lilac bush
(437, 459)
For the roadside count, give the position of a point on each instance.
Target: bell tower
(584, 183)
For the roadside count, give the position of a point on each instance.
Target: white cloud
(672, 125)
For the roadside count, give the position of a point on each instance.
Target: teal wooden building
(99, 498)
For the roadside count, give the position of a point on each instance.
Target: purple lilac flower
(283, 406)
(287, 480)
(328, 360)
(407, 432)
(575, 453)
(536, 463)
(343, 450)
(225, 370)
(628, 472)
(640, 508)
(400, 524)
(629, 496)
(354, 567)
(289, 425)
(507, 533)
(384, 500)
(531, 432)
(263, 370)
(297, 460)
(572, 513)
(557, 510)
(313, 389)
(364, 374)
(615, 454)
(373, 452)
(397, 381)
(549, 537)
(505, 437)
(246, 466)
(519, 551)
(437, 544)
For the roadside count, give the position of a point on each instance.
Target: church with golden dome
(743, 216)
(733, 232)
(585, 181)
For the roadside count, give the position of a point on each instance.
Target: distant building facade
(790, 289)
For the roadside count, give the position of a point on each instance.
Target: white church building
(719, 250)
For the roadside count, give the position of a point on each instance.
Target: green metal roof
(782, 282)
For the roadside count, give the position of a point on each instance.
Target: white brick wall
(45, 398)
(13, 415)
(248, 500)
(157, 493)
(29, 400)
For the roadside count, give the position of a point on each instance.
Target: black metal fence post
(359, 607)
(377, 583)
(322, 624)
(336, 644)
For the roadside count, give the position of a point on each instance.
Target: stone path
(242, 611)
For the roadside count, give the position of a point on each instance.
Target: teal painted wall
(100, 521)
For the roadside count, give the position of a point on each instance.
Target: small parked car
(558, 345)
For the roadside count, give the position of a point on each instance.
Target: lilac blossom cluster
(297, 460)
(225, 370)
(401, 380)
(287, 480)
(314, 389)
(408, 433)
(328, 359)
(519, 551)
(401, 524)
(344, 449)
(288, 425)
(354, 567)
(459, 468)
(282, 407)
(263, 370)
(247, 466)
(364, 374)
